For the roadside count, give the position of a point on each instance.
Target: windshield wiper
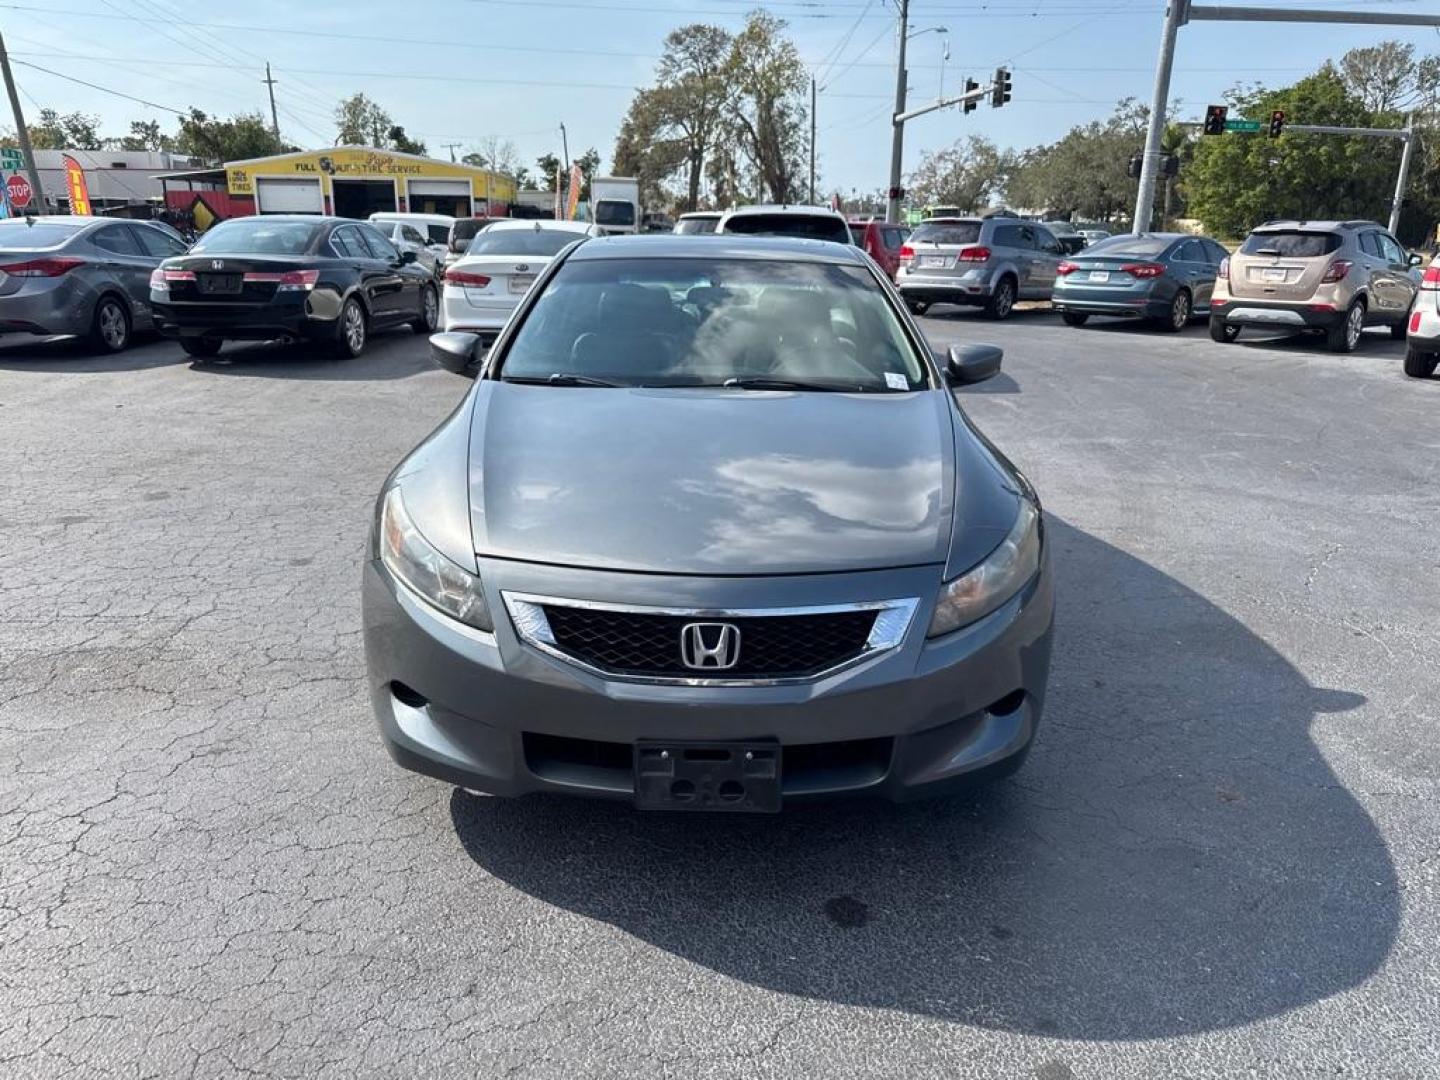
(558, 378)
(763, 382)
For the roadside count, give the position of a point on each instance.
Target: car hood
(710, 481)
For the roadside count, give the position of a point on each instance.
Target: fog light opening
(731, 791)
(1007, 704)
(406, 696)
(682, 790)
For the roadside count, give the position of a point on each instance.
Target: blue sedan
(1164, 277)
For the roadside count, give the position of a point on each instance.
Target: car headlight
(1003, 573)
(426, 572)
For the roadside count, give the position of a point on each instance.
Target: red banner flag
(79, 193)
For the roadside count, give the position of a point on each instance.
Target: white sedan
(484, 286)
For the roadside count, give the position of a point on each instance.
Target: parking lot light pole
(897, 125)
(1397, 204)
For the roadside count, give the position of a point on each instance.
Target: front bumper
(487, 712)
(311, 316)
(1298, 315)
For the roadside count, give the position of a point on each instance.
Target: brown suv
(1336, 277)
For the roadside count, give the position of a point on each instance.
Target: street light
(928, 30)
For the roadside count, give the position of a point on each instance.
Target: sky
(456, 71)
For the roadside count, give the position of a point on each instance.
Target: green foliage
(243, 136)
(73, 131)
(1084, 174)
(966, 174)
(548, 166)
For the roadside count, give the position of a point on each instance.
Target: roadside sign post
(19, 191)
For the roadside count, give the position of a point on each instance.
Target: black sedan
(291, 278)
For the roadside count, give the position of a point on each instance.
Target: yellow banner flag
(577, 181)
(79, 193)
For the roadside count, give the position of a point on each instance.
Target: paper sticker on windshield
(896, 382)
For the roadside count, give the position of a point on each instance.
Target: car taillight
(464, 277)
(1066, 268)
(53, 266)
(1415, 322)
(160, 278)
(1431, 278)
(1224, 272)
(1143, 270)
(906, 251)
(1336, 271)
(283, 280)
(973, 254)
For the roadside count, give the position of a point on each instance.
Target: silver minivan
(983, 262)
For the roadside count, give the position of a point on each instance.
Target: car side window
(1217, 253)
(1011, 236)
(1370, 244)
(1048, 243)
(410, 235)
(117, 239)
(893, 239)
(341, 242)
(156, 243)
(380, 248)
(1394, 254)
(1191, 251)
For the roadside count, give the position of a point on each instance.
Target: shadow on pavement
(1175, 858)
(1378, 345)
(999, 384)
(1021, 313)
(394, 354)
(74, 356)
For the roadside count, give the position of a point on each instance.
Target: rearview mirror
(457, 352)
(973, 363)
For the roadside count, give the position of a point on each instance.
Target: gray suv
(983, 262)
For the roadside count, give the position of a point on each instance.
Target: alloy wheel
(354, 327)
(1180, 311)
(1354, 325)
(112, 325)
(1004, 300)
(428, 306)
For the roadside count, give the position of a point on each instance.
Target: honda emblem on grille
(217, 264)
(710, 646)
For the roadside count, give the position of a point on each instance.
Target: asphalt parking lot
(1219, 861)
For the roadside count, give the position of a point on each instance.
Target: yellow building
(357, 181)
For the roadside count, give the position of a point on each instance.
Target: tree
(1084, 173)
(589, 163)
(73, 131)
(243, 136)
(523, 180)
(694, 94)
(144, 135)
(493, 152)
(641, 151)
(965, 175)
(1387, 77)
(769, 126)
(548, 166)
(361, 122)
(396, 139)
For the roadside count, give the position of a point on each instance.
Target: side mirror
(457, 352)
(973, 363)
(1416, 260)
(407, 256)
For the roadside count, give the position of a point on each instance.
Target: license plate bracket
(520, 283)
(1274, 274)
(218, 284)
(934, 262)
(725, 777)
(1099, 275)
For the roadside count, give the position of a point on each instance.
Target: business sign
(344, 163)
(11, 159)
(79, 193)
(18, 189)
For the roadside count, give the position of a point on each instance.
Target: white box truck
(615, 204)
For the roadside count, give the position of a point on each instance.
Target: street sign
(1242, 125)
(10, 158)
(18, 188)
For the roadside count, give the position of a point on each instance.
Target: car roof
(539, 224)
(956, 220)
(693, 214)
(720, 246)
(77, 220)
(1316, 226)
(785, 209)
(405, 215)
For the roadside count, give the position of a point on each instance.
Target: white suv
(1422, 341)
(803, 222)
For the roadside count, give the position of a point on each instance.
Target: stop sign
(18, 188)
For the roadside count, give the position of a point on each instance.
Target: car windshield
(689, 226)
(539, 241)
(256, 235)
(857, 235)
(1139, 247)
(946, 232)
(805, 227)
(702, 322)
(437, 233)
(19, 235)
(614, 212)
(1292, 244)
(465, 230)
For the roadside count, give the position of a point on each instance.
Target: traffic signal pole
(1181, 12)
(1398, 202)
(22, 133)
(897, 122)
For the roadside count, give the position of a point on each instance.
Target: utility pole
(1181, 12)
(21, 131)
(565, 149)
(897, 125)
(1398, 203)
(270, 85)
(812, 140)
(452, 147)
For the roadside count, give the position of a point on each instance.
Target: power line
(102, 89)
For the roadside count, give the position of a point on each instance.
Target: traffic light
(1000, 92)
(1170, 165)
(971, 104)
(1215, 119)
(1137, 162)
(1277, 123)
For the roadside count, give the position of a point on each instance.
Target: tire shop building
(346, 181)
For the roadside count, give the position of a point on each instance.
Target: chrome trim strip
(527, 616)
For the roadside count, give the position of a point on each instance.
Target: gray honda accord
(709, 532)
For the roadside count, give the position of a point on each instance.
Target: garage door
(449, 189)
(288, 197)
(440, 197)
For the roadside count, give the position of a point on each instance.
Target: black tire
(1223, 332)
(109, 326)
(1179, 315)
(1344, 336)
(1420, 365)
(352, 330)
(429, 311)
(1075, 318)
(918, 307)
(1002, 300)
(201, 346)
